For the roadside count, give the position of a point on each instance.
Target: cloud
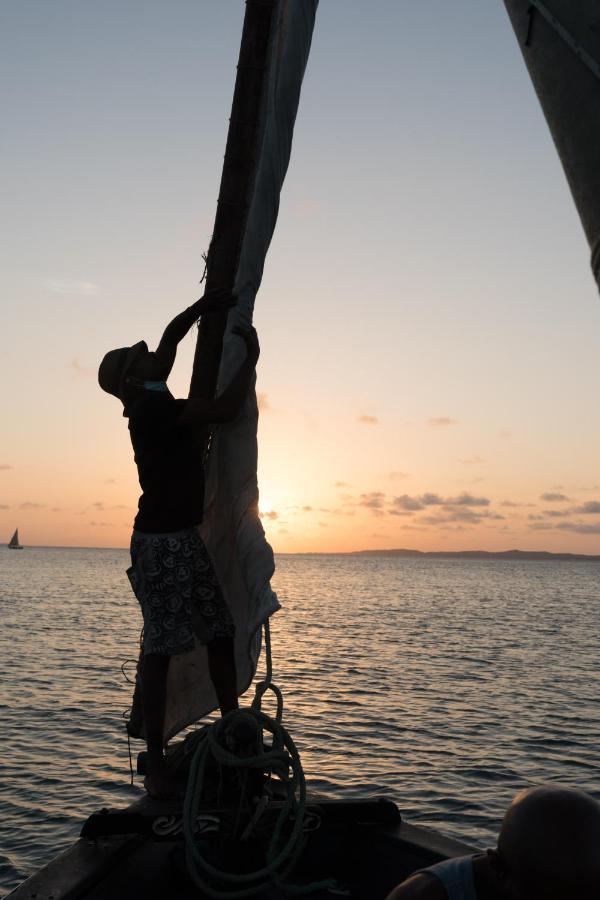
(263, 402)
(341, 484)
(472, 460)
(79, 371)
(323, 524)
(429, 499)
(69, 287)
(4, 467)
(101, 507)
(269, 515)
(552, 497)
(441, 421)
(396, 476)
(406, 504)
(28, 505)
(579, 527)
(463, 508)
(367, 420)
(373, 501)
(465, 515)
(575, 527)
(307, 509)
(4, 506)
(111, 481)
(100, 524)
(590, 508)
(465, 499)
(56, 509)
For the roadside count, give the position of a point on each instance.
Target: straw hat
(115, 366)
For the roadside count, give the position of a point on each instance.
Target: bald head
(552, 835)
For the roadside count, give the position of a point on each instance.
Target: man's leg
(221, 666)
(155, 667)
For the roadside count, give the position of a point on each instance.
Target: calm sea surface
(443, 684)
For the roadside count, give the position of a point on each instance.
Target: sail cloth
(560, 42)
(231, 528)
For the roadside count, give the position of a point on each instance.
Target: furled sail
(560, 42)
(274, 51)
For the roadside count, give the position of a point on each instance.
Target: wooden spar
(560, 42)
(237, 178)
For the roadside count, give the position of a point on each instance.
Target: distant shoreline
(515, 555)
(534, 555)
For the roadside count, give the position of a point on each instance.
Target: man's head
(131, 362)
(549, 846)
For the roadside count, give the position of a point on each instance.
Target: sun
(264, 505)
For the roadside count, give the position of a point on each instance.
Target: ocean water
(446, 685)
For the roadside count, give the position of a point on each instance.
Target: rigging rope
(283, 759)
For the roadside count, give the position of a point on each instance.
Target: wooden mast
(239, 168)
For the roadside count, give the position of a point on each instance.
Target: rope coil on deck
(284, 761)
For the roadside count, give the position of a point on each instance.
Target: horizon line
(378, 550)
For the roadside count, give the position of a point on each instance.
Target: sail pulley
(577, 48)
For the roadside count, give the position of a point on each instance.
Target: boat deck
(365, 846)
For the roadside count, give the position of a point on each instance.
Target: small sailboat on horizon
(14, 544)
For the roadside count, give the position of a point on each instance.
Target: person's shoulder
(154, 403)
(150, 405)
(419, 887)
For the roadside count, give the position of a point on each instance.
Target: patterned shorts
(174, 581)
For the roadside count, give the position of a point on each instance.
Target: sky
(429, 325)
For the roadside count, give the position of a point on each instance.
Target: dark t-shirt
(169, 461)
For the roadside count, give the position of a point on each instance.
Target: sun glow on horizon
(402, 404)
(265, 505)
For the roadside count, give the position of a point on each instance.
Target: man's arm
(213, 301)
(200, 411)
(419, 887)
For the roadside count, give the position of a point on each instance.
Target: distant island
(483, 554)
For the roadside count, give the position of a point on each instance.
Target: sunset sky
(429, 325)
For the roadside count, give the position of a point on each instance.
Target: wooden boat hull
(364, 845)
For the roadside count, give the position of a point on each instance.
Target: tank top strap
(457, 877)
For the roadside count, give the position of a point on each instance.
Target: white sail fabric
(232, 529)
(560, 42)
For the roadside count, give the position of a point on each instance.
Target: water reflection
(444, 684)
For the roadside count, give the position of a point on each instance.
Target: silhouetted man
(548, 849)
(171, 573)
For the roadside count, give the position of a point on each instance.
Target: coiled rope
(284, 761)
